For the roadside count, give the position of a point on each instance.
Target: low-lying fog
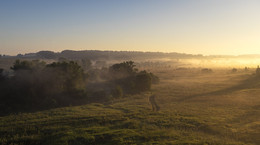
(222, 62)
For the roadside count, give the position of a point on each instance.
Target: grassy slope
(194, 109)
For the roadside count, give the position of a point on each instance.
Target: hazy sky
(189, 26)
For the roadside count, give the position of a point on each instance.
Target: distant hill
(104, 55)
(120, 55)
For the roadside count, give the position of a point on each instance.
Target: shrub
(117, 92)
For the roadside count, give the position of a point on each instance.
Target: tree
(47, 54)
(2, 77)
(126, 75)
(28, 65)
(36, 85)
(143, 81)
(69, 76)
(86, 64)
(123, 69)
(100, 63)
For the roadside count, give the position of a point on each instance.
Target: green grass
(195, 109)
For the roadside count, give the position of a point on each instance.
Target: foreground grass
(189, 114)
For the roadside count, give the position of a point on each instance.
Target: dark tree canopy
(130, 79)
(86, 64)
(27, 65)
(47, 54)
(2, 76)
(69, 75)
(35, 85)
(143, 81)
(123, 69)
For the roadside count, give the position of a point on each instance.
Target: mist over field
(110, 97)
(225, 62)
(129, 72)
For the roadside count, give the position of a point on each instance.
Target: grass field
(194, 108)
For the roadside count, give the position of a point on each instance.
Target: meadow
(193, 108)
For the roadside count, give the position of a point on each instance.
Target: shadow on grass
(88, 100)
(249, 83)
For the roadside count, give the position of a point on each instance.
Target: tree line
(35, 85)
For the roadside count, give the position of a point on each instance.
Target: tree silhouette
(28, 65)
(123, 69)
(143, 81)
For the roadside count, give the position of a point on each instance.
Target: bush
(117, 92)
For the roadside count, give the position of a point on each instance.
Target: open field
(220, 107)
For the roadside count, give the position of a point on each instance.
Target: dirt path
(155, 107)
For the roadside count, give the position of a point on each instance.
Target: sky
(208, 27)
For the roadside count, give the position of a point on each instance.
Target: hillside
(195, 108)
